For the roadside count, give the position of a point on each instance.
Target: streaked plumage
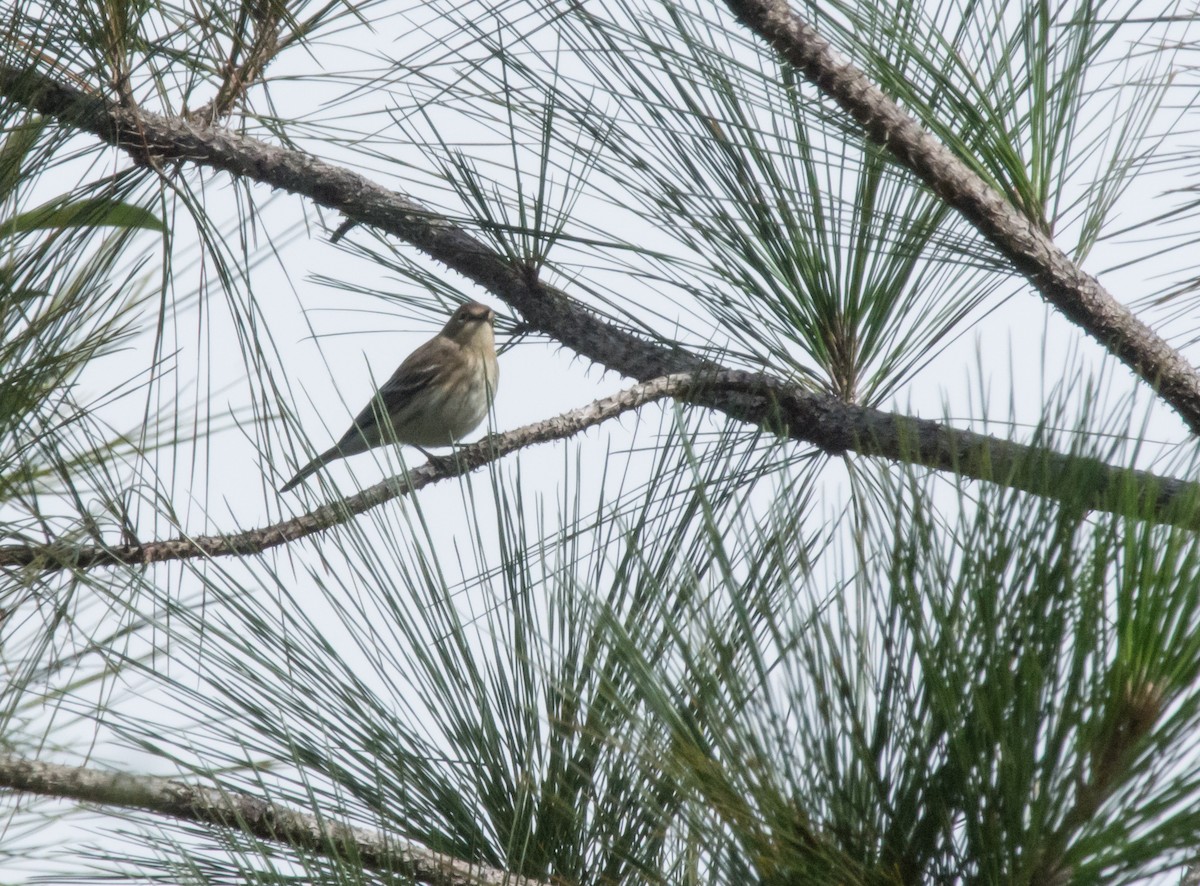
(438, 395)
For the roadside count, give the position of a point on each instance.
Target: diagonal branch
(548, 309)
(253, 815)
(831, 425)
(1080, 482)
(545, 308)
(1077, 294)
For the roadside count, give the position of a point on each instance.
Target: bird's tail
(309, 469)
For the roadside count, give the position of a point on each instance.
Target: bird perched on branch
(440, 393)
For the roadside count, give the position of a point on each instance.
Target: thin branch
(1077, 294)
(265, 18)
(253, 815)
(1081, 482)
(1135, 711)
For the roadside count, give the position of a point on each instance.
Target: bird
(438, 395)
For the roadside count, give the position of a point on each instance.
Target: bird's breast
(454, 406)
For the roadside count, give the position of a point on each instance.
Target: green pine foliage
(681, 648)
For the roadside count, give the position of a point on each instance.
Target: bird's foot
(443, 464)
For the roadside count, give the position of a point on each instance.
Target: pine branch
(1134, 712)
(248, 56)
(1191, 875)
(1072, 291)
(545, 309)
(253, 815)
(830, 424)
(1080, 482)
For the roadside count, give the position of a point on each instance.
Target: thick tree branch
(1080, 482)
(829, 424)
(268, 821)
(1075, 293)
(544, 308)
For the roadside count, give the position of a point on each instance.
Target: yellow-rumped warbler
(440, 393)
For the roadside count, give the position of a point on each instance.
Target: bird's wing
(418, 371)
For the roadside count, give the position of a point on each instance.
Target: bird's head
(471, 324)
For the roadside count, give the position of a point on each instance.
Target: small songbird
(440, 393)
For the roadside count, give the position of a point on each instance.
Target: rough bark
(1080, 482)
(1078, 295)
(253, 815)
